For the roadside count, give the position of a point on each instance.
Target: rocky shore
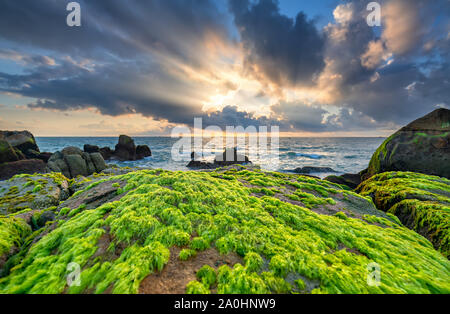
(232, 228)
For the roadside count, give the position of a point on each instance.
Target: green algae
(198, 210)
(13, 231)
(421, 202)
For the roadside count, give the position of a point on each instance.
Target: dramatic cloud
(279, 49)
(235, 62)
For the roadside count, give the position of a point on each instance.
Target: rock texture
(125, 150)
(73, 162)
(228, 158)
(19, 154)
(423, 146)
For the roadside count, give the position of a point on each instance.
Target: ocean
(344, 155)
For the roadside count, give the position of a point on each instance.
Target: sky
(313, 68)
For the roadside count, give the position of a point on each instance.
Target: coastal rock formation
(19, 154)
(125, 150)
(228, 158)
(422, 146)
(22, 141)
(232, 230)
(421, 202)
(73, 162)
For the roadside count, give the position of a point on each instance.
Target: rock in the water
(143, 151)
(28, 166)
(106, 152)
(308, 170)
(91, 149)
(349, 179)
(125, 149)
(422, 146)
(20, 140)
(230, 157)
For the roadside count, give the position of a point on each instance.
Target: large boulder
(423, 146)
(28, 166)
(73, 162)
(7, 152)
(230, 157)
(125, 149)
(143, 151)
(20, 140)
(91, 149)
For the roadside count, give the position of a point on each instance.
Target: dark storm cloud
(284, 51)
(126, 45)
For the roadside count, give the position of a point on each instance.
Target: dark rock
(98, 161)
(91, 149)
(422, 146)
(106, 152)
(46, 217)
(348, 179)
(20, 140)
(7, 152)
(38, 155)
(28, 166)
(72, 151)
(143, 151)
(195, 164)
(89, 164)
(308, 170)
(230, 157)
(45, 156)
(77, 165)
(125, 149)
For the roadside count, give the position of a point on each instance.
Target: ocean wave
(310, 156)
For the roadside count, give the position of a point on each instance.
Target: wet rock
(143, 151)
(125, 149)
(91, 149)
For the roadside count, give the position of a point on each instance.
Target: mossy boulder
(32, 192)
(421, 202)
(423, 146)
(293, 233)
(22, 141)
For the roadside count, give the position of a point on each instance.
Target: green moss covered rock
(423, 146)
(421, 202)
(295, 234)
